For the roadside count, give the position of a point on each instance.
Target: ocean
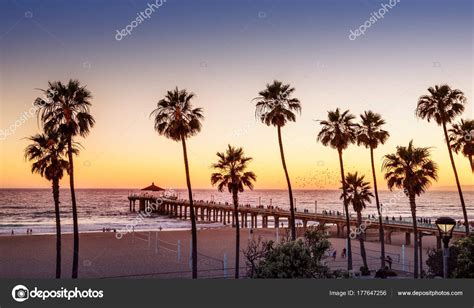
(21, 209)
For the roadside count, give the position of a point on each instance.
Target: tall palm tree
(67, 111)
(442, 105)
(412, 170)
(370, 134)
(276, 107)
(338, 132)
(231, 175)
(461, 136)
(47, 151)
(358, 194)
(176, 119)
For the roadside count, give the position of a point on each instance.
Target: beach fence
(400, 261)
(177, 254)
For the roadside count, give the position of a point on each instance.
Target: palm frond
(230, 170)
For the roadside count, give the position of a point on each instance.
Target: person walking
(389, 261)
(343, 253)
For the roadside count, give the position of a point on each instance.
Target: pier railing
(266, 216)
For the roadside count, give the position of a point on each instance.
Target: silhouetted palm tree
(48, 151)
(461, 137)
(412, 170)
(338, 132)
(358, 194)
(231, 175)
(276, 107)
(442, 105)
(176, 119)
(67, 111)
(370, 134)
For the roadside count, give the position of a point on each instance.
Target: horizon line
(442, 188)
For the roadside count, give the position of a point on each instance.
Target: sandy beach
(165, 254)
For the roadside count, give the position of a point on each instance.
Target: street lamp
(445, 227)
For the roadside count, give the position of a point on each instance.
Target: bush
(385, 273)
(460, 261)
(364, 271)
(465, 258)
(435, 261)
(381, 273)
(340, 274)
(289, 259)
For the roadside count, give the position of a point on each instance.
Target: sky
(226, 52)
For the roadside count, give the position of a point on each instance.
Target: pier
(274, 217)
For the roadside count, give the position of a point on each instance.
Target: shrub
(385, 273)
(381, 273)
(364, 271)
(465, 259)
(289, 259)
(460, 261)
(340, 274)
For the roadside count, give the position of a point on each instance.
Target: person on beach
(343, 253)
(334, 254)
(13, 233)
(389, 261)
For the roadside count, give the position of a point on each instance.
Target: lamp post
(445, 227)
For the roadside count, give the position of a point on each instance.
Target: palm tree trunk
(235, 198)
(415, 234)
(290, 192)
(191, 210)
(75, 259)
(346, 207)
(470, 161)
(58, 227)
(381, 230)
(420, 238)
(463, 205)
(361, 240)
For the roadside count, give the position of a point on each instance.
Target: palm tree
(276, 107)
(47, 151)
(67, 111)
(461, 137)
(442, 105)
(370, 134)
(412, 170)
(358, 194)
(231, 175)
(338, 132)
(176, 119)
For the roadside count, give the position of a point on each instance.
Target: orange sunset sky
(225, 62)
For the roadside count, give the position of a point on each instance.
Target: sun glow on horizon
(229, 63)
